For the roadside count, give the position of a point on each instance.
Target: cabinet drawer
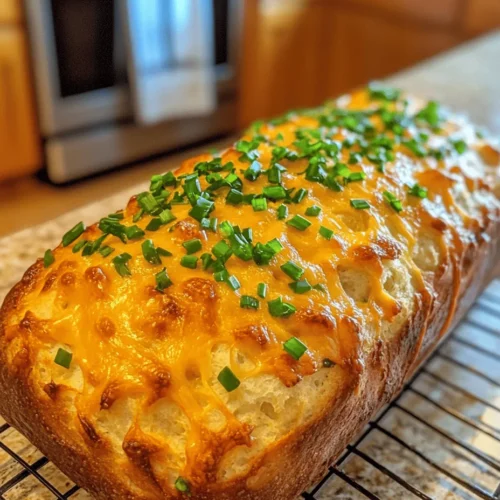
(10, 11)
(19, 139)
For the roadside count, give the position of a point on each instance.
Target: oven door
(80, 63)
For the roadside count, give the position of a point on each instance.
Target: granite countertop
(466, 79)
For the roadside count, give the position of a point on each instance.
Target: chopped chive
(247, 233)
(134, 232)
(78, 246)
(393, 201)
(221, 276)
(253, 171)
(313, 211)
(120, 263)
(328, 363)
(163, 252)
(299, 222)
(162, 280)
(181, 485)
(262, 254)
(138, 216)
(233, 283)
(63, 358)
(228, 379)
(259, 204)
(226, 229)
(166, 216)
(326, 233)
(222, 250)
(201, 209)
(280, 309)
(301, 286)
(274, 192)
(189, 261)
(295, 348)
(249, 302)
(73, 234)
(91, 247)
(293, 270)
(117, 216)
(150, 253)
(147, 202)
(106, 250)
(275, 245)
(48, 258)
(299, 195)
(192, 246)
(234, 197)
(262, 290)
(206, 261)
(213, 224)
(356, 176)
(154, 224)
(359, 204)
(282, 212)
(418, 191)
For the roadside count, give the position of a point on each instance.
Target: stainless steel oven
(93, 101)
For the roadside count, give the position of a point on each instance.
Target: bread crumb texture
(149, 302)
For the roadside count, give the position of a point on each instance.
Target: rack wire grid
(438, 439)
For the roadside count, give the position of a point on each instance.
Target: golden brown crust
(365, 381)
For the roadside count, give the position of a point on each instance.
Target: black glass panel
(221, 20)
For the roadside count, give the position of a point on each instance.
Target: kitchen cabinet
(19, 137)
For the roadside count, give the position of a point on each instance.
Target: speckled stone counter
(467, 79)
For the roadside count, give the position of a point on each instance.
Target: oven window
(221, 26)
(88, 55)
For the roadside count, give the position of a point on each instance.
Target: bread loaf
(232, 329)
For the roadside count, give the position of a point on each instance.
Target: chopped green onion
(120, 263)
(189, 261)
(48, 258)
(134, 232)
(228, 379)
(393, 201)
(293, 270)
(328, 363)
(192, 246)
(249, 302)
(282, 212)
(166, 216)
(222, 250)
(106, 251)
(181, 485)
(201, 209)
(299, 195)
(206, 261)
(233, 283)
(295, 348)
(63, 358)
(418, 191)
(275, 245)
(117, 216)
(326, 233)
(78, 246)
(280, 309)
(301, 286)
(226, 229)
(154, 224)
(320, 287)
(359, 204)
(73, 234)
(150, 253)
(92, 246)
(313, 211)
(299, 222)
(259, 204)
(356, 176)
(253, 171)
(262, 254)
(247, 233)
(162, 280)
(378, 91)
(460, 146)
(274, 175)
(147, 202)
(274, 192)
(163, 252)
(221, 276)
(262, 290)
(234, 197)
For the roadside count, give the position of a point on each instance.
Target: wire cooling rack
(439, 439)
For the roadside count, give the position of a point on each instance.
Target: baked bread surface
(123, 368)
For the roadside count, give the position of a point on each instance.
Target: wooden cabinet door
(19, 138)
(363, 47)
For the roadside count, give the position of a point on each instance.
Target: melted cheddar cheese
(417, 200)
